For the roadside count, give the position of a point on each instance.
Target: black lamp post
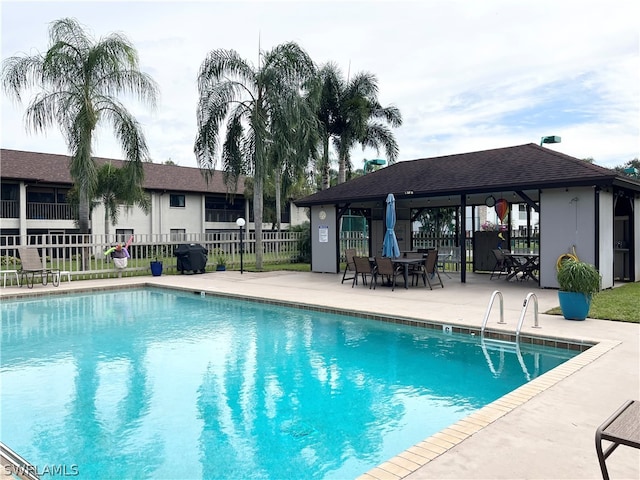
(240, 222)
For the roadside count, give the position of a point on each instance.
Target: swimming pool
(149, 383)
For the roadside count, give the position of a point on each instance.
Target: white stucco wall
(567, 219)
(190, 218)
(161, 219)
(299, 215)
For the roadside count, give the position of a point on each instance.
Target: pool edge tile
(467, 426)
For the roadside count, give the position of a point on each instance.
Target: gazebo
(581, 205)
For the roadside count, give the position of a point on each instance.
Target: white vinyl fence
(83, 255)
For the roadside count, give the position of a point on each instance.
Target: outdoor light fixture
(550, 139)
(240, 222)
(375, 161)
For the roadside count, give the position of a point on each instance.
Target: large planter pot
(156, 269)
(574, 305)
(220, 268)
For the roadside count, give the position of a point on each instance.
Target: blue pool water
(160, 384)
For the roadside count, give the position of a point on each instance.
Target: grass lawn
(620, 303)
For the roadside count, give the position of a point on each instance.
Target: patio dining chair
(350, 267)
(447, 258)
(431, 269)
(503, 263)
(363, 268)
(385, 268)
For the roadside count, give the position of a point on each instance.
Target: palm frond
(380, 136)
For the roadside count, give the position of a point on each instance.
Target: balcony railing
(213, 215)
(10, 209)
(49, 211)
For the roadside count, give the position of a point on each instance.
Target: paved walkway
(542, 432)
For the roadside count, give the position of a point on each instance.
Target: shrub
(577, 276)
(304, 242)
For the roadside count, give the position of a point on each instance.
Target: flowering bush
(489, 226)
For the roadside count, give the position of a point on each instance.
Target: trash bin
(191, 257)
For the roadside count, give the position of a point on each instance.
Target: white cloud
(465, 75)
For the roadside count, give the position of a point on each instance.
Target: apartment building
(34, 199)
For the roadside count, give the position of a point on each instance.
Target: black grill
(191, 257)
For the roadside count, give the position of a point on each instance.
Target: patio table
(405, 262)
(527, 263)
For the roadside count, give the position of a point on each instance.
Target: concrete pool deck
(543, 430)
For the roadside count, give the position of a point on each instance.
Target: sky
(466, 75)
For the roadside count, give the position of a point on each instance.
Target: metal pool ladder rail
(503, 346)
(16, 465)
(498, 293)
(530, 295)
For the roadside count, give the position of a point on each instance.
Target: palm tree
(295, 141)
(351, 114)
(326, 93)
(79, 80)
(365, 122)
(113, 190)
(249, 100)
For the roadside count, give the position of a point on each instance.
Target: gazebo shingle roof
(520, 167)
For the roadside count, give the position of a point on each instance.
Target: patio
(549, 436)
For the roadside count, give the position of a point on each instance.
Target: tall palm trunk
(83, 212)
(278, 185)
(257, 217)
(107, 218)
(83, 224)
(342, 169)
(326, 180)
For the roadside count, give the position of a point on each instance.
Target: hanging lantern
(502, 208)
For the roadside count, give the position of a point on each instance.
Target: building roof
(48, 168)
(523, 167)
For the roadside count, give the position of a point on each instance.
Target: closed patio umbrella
(390, 245)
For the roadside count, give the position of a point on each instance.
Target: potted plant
(579, 282)
(221, 260)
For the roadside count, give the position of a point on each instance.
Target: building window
(178, 234)
(9, 191)
(176, 200)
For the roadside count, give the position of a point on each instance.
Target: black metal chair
(503, 263)
(362, 268)
(385, 268)
(350, 266)
(431, 268)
